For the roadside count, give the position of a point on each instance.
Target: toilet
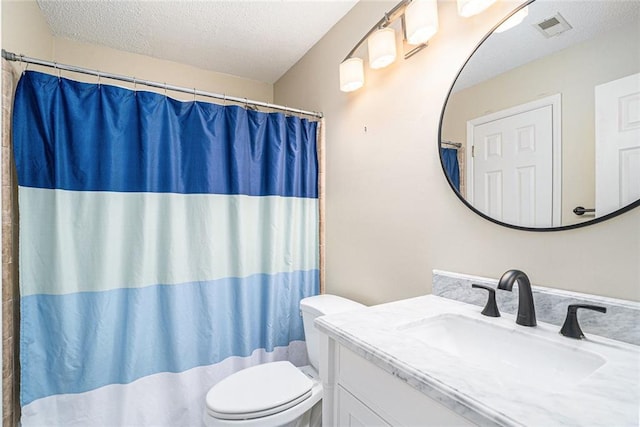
(277, 394)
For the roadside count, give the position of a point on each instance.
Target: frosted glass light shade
(514, 20)
(421, 21)
(467, 8)
(351, 74)
(382, 48)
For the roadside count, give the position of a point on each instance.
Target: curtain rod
(21, 58)
(455, 144)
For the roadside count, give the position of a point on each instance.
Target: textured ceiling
(504, 51)
(258, 40)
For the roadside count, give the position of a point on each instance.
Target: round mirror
(541, 128)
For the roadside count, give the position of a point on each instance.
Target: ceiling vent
(553, 26)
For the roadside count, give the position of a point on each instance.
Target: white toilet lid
(258, 391)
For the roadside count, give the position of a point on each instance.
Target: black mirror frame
(463, 200)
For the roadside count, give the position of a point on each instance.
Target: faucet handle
(491, 308)
(571, 327)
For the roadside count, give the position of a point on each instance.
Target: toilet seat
(258, 392)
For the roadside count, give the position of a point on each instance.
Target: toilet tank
(316, 306)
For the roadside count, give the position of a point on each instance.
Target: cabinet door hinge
(473, 151)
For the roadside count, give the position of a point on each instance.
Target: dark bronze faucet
(571, 327)
(526, 310)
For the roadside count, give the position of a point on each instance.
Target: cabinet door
(392, 399)
(353, 413)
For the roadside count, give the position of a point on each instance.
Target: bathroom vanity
(434, 361)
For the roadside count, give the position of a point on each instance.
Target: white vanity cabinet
(425, 361)
(358, 393)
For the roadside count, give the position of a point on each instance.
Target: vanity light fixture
(351, 74)
(514, 20)
(419, 21)
(467, 8)
(382, 48)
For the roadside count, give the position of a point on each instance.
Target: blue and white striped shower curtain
(163, 246)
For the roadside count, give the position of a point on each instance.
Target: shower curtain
(449, 158)
(163, 246)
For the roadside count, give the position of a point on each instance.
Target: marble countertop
(610, 396)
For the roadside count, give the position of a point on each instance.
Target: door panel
(630, 174)
(353, 413)
(513, 168)
(617, 144)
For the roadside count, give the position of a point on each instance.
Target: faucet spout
(526, 310)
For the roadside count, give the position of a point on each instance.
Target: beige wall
(391, 217)
(25, 31)
(130, 64)
(618, 55)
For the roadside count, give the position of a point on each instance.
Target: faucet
(526, 310)
(571, 327)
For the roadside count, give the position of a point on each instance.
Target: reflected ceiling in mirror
(544, 118)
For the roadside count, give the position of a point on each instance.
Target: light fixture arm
(419, 22)
(385, 21)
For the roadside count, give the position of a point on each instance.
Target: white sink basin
(511, 355)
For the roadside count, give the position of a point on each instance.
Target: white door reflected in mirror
(617, 144)
(511, 177)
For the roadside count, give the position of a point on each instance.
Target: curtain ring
(99, 77)
(135, 85)
(165, 89)
(224, 99)
(194, 94)
(246, 104)
(55, 65)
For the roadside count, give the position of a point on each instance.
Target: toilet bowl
(276, 394)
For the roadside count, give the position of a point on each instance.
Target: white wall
(391, 217)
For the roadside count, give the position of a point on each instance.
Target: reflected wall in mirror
(545, 117)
